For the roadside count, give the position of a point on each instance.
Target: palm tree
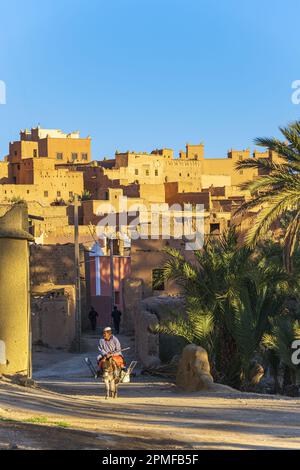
(85, 195)
(285, 330)
(277, 191)
(230, 297)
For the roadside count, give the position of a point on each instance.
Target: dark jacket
(93, 315)
(116, 315)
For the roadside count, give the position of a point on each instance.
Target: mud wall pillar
(14, 292)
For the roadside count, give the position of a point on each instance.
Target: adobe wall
(55, 228)
(14, 288)
(154, 193)
(152, 349)
(23, 149)
(55, 264)
(159, 168)
(49, 147)
(147, 255)
(92, 207)
(64, 235)
(226, 167)
(53, 316)
(50, 186)
(54, 217)
(67, 147)
(3, 172)
(215, 180)
(60, 184)
(132, 296)
(191, 198)
(9, 192)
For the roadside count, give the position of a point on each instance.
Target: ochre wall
(53, 316)
(14, 307)
(49, 147)
(3, 172)
(191, 167)
(14, 291)
(67, 147)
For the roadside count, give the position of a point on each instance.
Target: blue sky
(144, 74)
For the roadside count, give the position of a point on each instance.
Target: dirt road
(67, 411)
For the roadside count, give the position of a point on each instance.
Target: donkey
(111, 377)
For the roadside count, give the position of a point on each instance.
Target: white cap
(108, 328)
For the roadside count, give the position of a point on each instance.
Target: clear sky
(144, 74)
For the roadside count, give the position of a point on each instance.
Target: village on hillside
(82, 239)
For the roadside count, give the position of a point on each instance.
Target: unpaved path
(150, 414)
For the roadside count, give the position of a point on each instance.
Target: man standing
(93, 318)
(116, 316)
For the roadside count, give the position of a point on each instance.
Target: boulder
(193, 373)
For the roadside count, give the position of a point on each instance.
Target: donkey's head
(108, 365)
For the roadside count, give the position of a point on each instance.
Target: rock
(26, 382)
(194, 370)
(193, 373)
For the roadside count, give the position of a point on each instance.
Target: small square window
(46, 194)
(136, 171)
(215, 229)
(59, 156)
(58, 194)
(84, 156)
(74, 156)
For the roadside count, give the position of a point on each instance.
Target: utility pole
(31, 217)
(29, 370)
(77, 278)
(111, 259)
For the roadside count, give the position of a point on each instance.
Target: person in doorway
(116, 316)
(93, 315)
(109, 346)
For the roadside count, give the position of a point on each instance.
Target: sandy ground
(67, 410)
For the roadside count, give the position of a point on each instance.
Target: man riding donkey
(110, 361)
